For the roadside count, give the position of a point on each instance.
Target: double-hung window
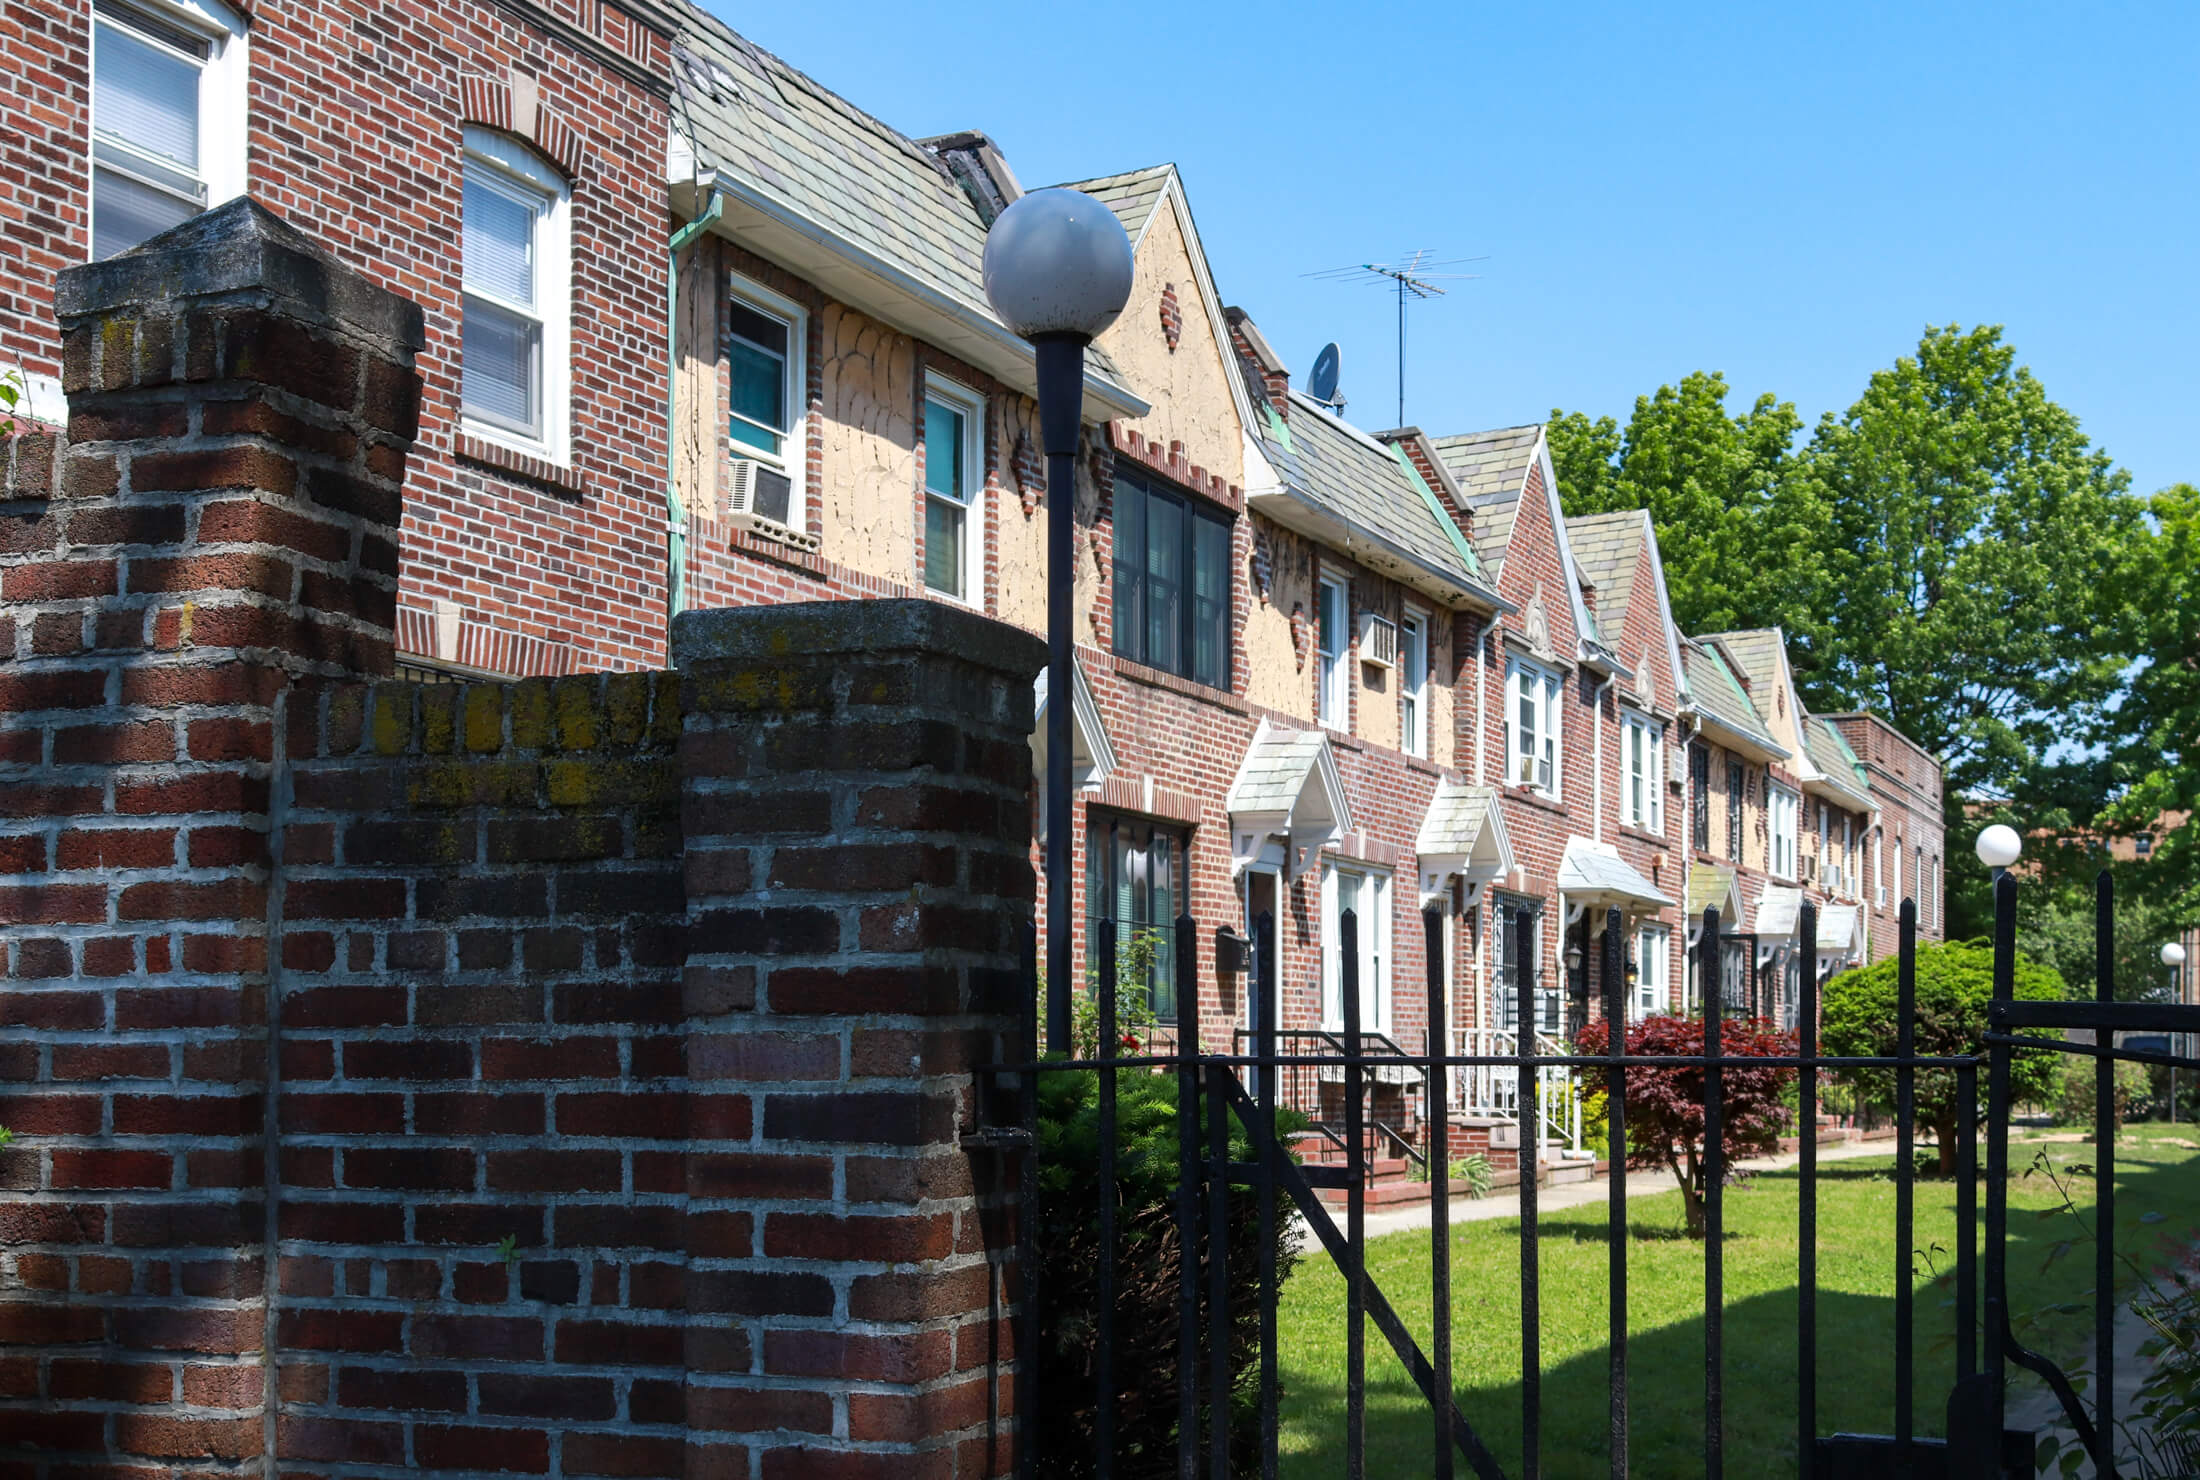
(1413, 684)
(764, 341)
(1172, 581)
(1531, 728)
(1781, 808)
(1737, 788)
(954, 472)
(1367, 895)
(168, 98)
(1699, 797)
(1642, 743)
(1653, 967)
(1134, 878)
(1332, 640)
(514, 366)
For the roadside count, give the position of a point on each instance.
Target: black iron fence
(1268, 1073)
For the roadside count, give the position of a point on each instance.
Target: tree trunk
(1944, 1134)
(1691, 1180)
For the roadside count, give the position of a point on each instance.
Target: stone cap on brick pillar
(243, 252)
(829, 628)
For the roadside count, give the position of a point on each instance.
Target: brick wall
(558, 1077)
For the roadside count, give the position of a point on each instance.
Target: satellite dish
(1323, 384)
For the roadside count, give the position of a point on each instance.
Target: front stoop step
(1571, 1169)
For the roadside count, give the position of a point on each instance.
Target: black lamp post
(1058, 272)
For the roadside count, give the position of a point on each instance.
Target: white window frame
(1782, 825)
(1543, 689)
(1376, 942)
(1333, 671)
(793, 456)
(1413, 674)
(1642, 792)
(971, 407)
(224, 94)
(1653, 990)
(504, 163)
(1879, 864)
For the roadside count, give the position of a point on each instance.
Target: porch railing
(1492, 1091)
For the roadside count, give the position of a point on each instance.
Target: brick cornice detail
(1171, 464)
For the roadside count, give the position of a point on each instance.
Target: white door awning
(1463, 835)
(1840, 932)
(1287, 802)
(1092, 757)
(1779, 912)
(1594, 876)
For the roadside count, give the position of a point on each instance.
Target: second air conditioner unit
(1378, 641)
(757, 493)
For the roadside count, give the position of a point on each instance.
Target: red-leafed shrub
(1665, 1107)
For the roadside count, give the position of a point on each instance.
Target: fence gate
(1250, 1086)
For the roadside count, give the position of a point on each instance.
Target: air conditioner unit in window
(1806, 867)
(760, 497)
(1378, 641)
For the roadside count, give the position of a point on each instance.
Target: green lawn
(2158, 1186)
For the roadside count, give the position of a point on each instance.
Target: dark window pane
(1130, 564)
(1211, 603)
(1164, 583)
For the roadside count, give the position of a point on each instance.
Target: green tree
(1955, 982)
(1972, 525)
(2154, 734)
(2056, 920)
(1741, 534)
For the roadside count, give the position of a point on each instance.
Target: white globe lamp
(1999, 846)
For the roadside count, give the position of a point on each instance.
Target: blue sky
(1787, 194)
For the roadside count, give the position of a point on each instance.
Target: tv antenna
(1410, 277)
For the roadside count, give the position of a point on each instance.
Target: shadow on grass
(1856, 1332)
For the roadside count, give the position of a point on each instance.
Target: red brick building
(1320, 669)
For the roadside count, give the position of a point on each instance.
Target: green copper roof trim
(1278, 429)
(1436, 507)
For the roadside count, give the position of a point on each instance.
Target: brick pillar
(224, 522)
(856, 810)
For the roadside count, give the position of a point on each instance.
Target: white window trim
(1333, 670)
(1653, 989)
(972, 406)
(1783, 824)
(793, 460)
(1376, 967)
(1413, 739)
(224, 95)
(1549, 691)
(501, 154)
(1651, 818)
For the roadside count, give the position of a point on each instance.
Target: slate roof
(1710, 884)
(1757, 649)
(1831, 754)
(834, 164)
(1373, 485)
(1714, 689)
(1491, 469)
(1132, 195)
(1456, 816)
(1588, 868)
(1608, 550)
(1779, 911)
(1277, 766)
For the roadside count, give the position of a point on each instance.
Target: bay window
(1172, 581)
(1531, 728)
(1642, 747)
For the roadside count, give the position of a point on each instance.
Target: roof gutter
(1327, 524)
(1104, 398)
(1749, 744)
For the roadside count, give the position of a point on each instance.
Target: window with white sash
(515, 345)
(168, 117)
(1642, 754)
(1531, 728)
(1367, 894)
(1413, 684)
(1332, 639)
(1783, 813)
(1653, 973)
(954, 479)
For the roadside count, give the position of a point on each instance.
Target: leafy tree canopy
(1955, 982)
